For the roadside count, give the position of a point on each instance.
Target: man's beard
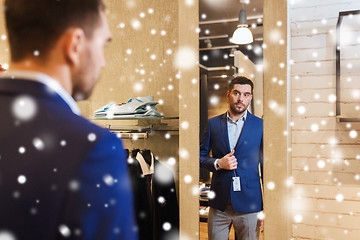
(82, 90)
(236, 110)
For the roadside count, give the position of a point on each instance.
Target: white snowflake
(188, 179)
(171, 161)
(136, 24)
(22, 150)
(339, 197)
(108, 179)
(138, 87)
(189, 3)
(271, 185)
(298, 218)
(38, 144)
(64, 230)
(214, 100)
(353, 134)
(314, 127)
(6, 235)
(22, 179)
(163, 175)
(161, 199)
(301, 110)
(261, 215)
(166, 226)
(321, 164)
(184, 153)
(74, 185)
(211, 195)
(92, 137)
(185, 125)
(24, 108)
(167, 136)
(185, 58)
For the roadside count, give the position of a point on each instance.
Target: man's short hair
(35, 25)
(241, 80)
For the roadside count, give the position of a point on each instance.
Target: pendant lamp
(242, 34)
(232, 52)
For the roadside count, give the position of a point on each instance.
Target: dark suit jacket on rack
(76, 183)
(248, 152)
(151, 214)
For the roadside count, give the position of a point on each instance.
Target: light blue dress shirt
(234, 129)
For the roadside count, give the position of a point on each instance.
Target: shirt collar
(145, 168)
(229, 118)
(48, 81)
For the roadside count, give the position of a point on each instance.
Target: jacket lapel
(224, 131)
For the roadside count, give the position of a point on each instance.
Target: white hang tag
(236, 184)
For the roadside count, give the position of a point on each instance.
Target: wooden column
(189, 122)
(276, 160)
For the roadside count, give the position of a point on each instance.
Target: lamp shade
(242, 35)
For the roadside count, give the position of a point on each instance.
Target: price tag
(236, 184)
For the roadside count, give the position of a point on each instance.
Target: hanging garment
(156, 206)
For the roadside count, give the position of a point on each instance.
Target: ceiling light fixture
(208, 43)
(242, 34)
(232, 52)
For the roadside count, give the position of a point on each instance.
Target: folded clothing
(137, 108)
(204, 192)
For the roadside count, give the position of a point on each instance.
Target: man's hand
(262, 225)
(229, 161)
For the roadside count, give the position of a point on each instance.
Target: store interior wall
(140, 63)
(325, 156)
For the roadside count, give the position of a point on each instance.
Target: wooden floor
(204, 232)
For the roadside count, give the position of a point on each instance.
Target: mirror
(347, 67)
(220, 60)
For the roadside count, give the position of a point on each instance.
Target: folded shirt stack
(140, 107)
(204, 192)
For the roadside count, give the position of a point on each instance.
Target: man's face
(239, 98)
(92, 61)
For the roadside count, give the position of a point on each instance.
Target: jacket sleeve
(205, 148)
(103, 204)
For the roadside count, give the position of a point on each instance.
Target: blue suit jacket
(248, 152)
(76, 187)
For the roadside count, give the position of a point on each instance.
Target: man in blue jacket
(61, 177)
(235, 140)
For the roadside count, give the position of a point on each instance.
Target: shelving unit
(145, 125)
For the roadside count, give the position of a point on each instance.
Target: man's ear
(74, 45)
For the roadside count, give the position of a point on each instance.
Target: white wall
(325, 159)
